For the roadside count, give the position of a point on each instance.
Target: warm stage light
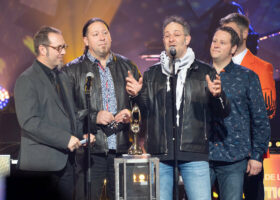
(270, 144)
(215, 195)
(277, 144)
(2, 65)
(151, 57)
(141, 177)
(138, 178)
(4, 98)
(28, 42)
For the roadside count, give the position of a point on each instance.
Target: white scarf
(182, 65)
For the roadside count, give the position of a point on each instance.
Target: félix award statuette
(135, 121)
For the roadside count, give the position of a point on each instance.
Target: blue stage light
(4, 98)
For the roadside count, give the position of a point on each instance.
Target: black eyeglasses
(58, 48)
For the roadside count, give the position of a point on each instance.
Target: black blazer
(46, 127)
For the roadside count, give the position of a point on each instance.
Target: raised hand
(215, 87)
(132, 86)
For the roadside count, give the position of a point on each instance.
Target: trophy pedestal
(137, 177)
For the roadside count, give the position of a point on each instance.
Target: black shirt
(47, 71)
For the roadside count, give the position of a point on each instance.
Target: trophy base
(142, 156)
(135, 150)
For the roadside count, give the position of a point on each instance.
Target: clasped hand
(105, 117)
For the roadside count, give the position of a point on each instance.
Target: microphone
(172, 51)
(88, 84)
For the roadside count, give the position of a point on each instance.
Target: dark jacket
(119, 66)
(46, 126)
(198, 105)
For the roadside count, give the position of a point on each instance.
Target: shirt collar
(238, 58)
(94, 60)
(44, 67)
(229, 67)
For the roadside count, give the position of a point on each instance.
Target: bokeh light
(4, 98)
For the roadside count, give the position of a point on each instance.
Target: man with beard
(109, 104)
(45, 112)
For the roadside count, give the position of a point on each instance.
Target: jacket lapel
(69, 98)
(49, 87)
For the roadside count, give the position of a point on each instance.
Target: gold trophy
(135, 121)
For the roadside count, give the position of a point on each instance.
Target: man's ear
(42, 50)
(245, 34)
(85, 41)
(188, 39)
(233, 49)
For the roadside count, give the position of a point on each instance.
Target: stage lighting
(277, 144)
(215, 195)
(150, 57)
(139, 178)
(28, 42)
(274, 146)
(270, 144)
(4, 98)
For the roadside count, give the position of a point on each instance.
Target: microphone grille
(172, 51)
(90, 74)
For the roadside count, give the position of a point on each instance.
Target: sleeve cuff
(257, 156)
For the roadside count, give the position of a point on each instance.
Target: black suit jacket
(46, 127)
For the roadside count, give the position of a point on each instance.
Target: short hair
(179, 20)
(241, 20)
(42, 37)
(91, 21)
(234, 36)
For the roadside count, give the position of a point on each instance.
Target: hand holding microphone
(85, 140)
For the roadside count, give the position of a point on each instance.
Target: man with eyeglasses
(109, 104)
(45, 112)
(198, 96)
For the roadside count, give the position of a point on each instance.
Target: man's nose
(171, 38)
(101, 36)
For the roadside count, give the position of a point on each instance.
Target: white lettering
(272, 193)
(269, 177)
(278, 177)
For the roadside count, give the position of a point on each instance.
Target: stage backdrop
(272, 177)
